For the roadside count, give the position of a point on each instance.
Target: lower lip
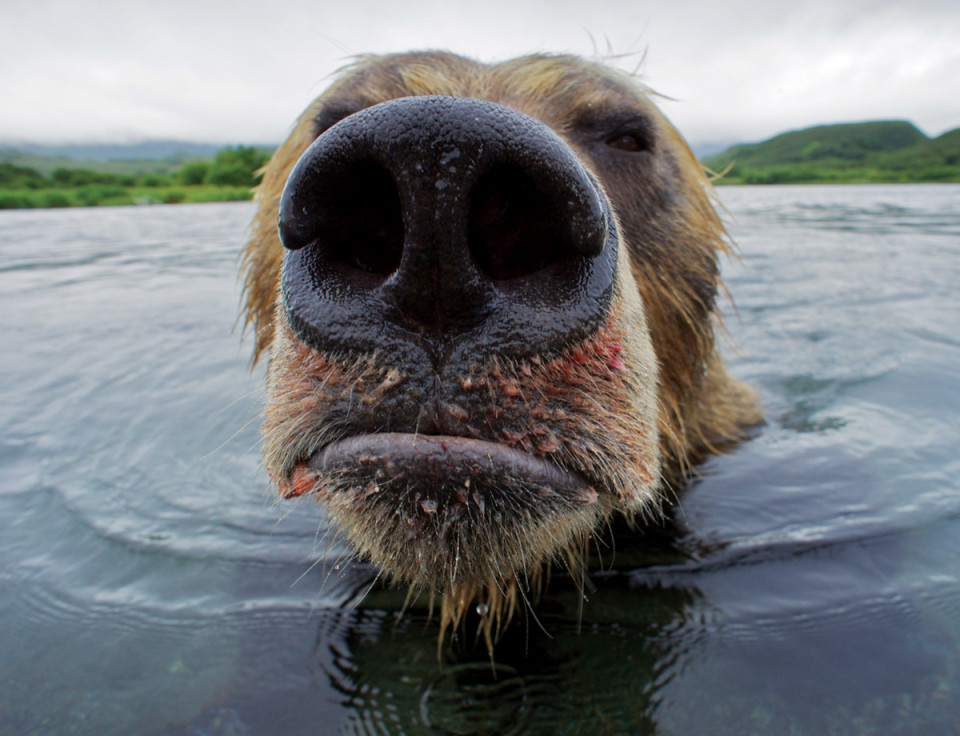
(442, 458)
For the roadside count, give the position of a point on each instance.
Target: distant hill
(702, 149)
(849, 142)
(157, 156)
(151, 150)
(47, 164)
(893, 150)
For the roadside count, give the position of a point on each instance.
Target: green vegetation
(228, 176)
(887, 151)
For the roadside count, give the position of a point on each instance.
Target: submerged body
(490, 313)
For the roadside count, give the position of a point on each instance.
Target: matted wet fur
(619, 414)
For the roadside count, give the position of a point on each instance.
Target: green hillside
(883, 151)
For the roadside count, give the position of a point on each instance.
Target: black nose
(438, 220)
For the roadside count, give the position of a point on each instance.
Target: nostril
(368, 223)
(355, 224)
(514, 229)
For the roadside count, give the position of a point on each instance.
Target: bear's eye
(631, 141)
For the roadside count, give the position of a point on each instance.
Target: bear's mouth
(443, 475)
(443, 511)
(438, 460)
(447, 478)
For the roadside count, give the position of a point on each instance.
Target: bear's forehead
(560, 90)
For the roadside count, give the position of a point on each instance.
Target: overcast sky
(240, 71)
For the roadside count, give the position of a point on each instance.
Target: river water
(150, 583)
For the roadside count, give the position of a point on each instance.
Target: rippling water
(150, 583)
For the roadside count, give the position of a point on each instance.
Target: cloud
(241, 71)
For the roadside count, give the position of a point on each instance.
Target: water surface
(150, 583)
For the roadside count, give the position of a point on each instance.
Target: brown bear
(490, 312)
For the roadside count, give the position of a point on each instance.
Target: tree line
(231, 174)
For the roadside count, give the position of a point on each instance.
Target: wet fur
(631, 408)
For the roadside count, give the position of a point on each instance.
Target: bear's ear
(262, 258)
